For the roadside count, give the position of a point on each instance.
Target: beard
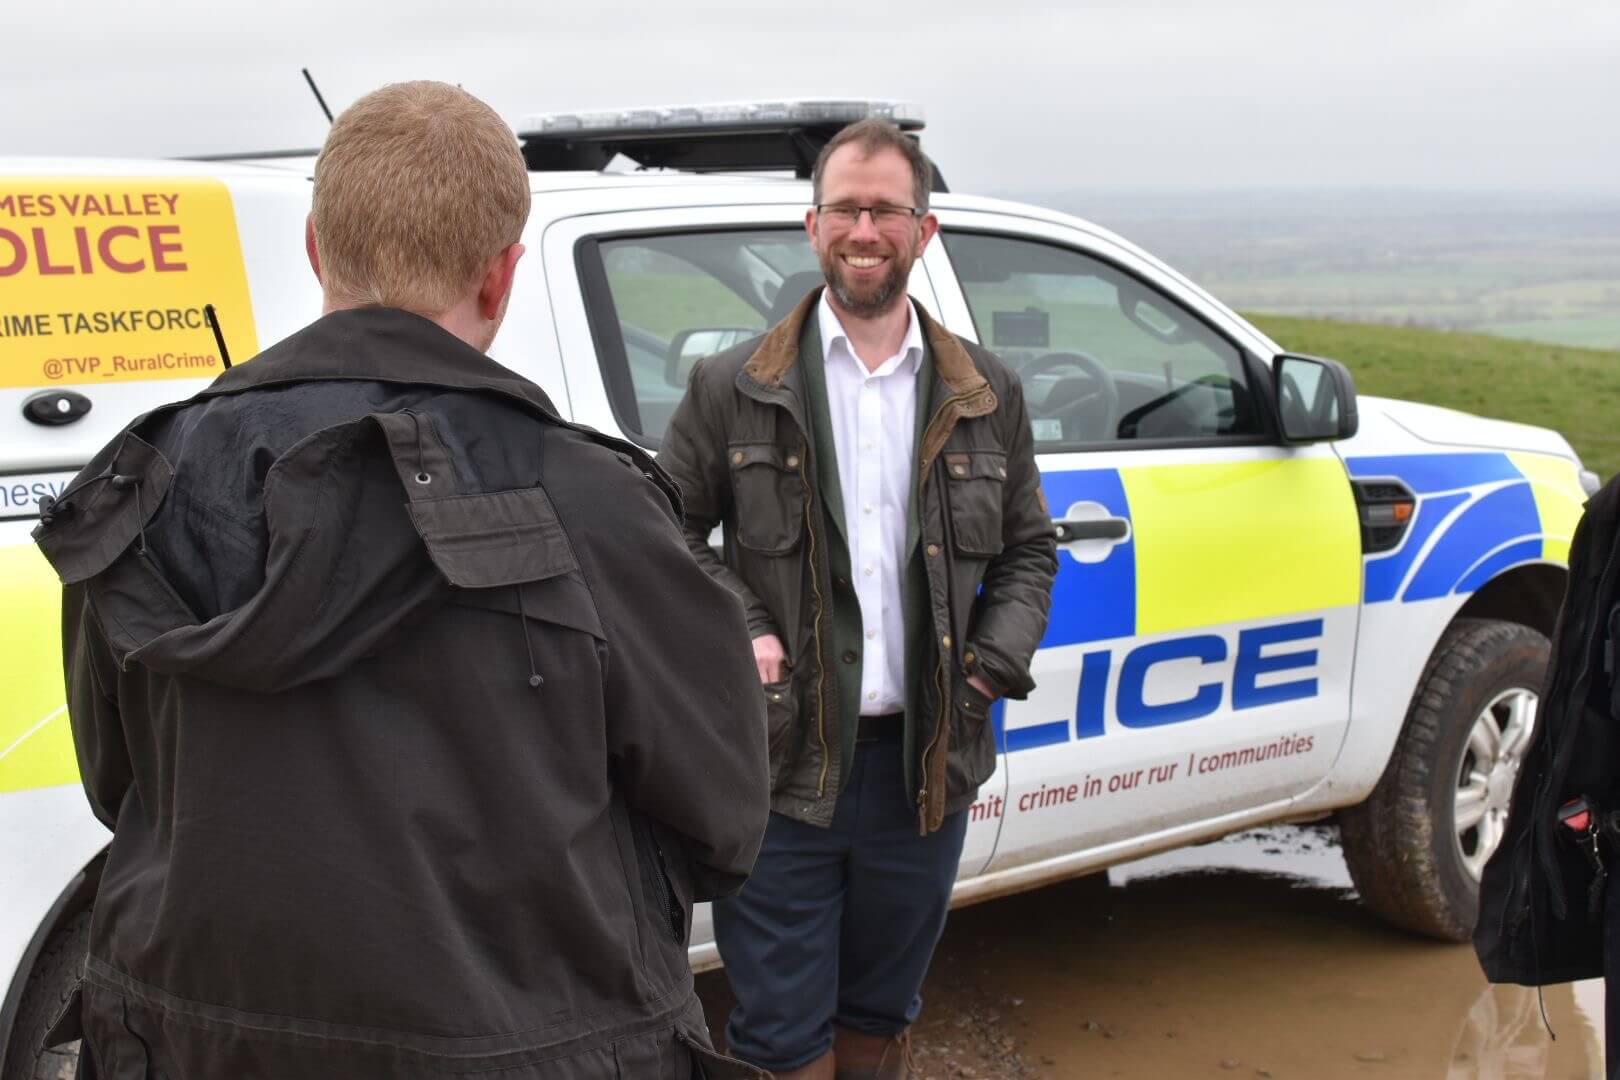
(872, 300)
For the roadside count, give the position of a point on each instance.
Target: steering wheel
(1103, 390)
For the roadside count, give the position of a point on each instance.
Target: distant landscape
(1517, 265)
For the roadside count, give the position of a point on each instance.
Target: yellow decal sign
(104, 279)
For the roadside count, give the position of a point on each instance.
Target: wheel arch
(76, 897)
(1529, 595)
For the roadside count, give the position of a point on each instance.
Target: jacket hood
(357, 526)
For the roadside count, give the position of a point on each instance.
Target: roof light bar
(770, 136)
(731, 116)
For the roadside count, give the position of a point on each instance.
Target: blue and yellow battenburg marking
(1204, 551)
(1205, 547)
(1478, 514)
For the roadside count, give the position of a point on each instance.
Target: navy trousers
(837, 925)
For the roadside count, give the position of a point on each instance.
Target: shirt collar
(832, 331)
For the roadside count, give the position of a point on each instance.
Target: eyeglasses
(845, 215)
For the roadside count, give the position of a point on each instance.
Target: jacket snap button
(933, 549)
(1001, 470)
(946, 641)
(736, 459)
(968, 657)
(959, 470)
(776, 697)
(850, 657)
(793, 461)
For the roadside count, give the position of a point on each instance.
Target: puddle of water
(1245, 958)
(1251, 958)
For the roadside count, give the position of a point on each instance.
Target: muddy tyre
(56, 972)
(1416, 847)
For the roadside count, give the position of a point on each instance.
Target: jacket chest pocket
(974, 483)
(768, 493)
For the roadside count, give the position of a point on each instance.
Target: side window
(1104, 358)
(660, 303)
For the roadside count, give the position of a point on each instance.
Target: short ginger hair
(419, 186)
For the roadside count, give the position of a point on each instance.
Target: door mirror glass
(1316, 399)
(687, 347)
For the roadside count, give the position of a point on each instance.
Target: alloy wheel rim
(1490, 763)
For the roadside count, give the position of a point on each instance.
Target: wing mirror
(1316, 398)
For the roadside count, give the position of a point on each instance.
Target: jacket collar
(379, 345)
(779, 351)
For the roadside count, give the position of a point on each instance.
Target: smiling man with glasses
(875, 476)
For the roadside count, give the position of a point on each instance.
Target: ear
(810, 227)
(310, 248)
(497, 283)
(930, 226)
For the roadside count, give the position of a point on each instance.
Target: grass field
(1596, 331)
(1572, 390)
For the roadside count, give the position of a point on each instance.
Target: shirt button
(867, 508)
(869, 571)
(871, 634)
(871, 695)
(850, 656)
(867, 445)
(933, 549)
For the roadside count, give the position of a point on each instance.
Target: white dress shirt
(873, 416)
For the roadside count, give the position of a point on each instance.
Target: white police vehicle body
(1276, 601)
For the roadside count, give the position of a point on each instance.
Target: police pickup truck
(1276, 602)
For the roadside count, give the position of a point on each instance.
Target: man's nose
(865, 227)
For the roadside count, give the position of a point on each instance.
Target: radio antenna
(317, 92)
(219, 338)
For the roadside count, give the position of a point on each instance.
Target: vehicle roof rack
(254, 155)
(739, 137)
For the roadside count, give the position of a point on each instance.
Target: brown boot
(872, 1057)
(819, 1069)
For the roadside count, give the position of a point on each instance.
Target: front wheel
(1417, 846)
(56, 973)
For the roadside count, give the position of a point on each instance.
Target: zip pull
(1594, 892)
(536, 681)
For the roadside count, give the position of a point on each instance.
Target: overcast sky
(1020, 97)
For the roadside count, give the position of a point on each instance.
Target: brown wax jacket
(741, 449)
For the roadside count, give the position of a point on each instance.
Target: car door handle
(1112, 528)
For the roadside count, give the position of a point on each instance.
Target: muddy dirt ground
(1248, 957)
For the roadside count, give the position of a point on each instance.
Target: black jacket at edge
(1534, 926)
